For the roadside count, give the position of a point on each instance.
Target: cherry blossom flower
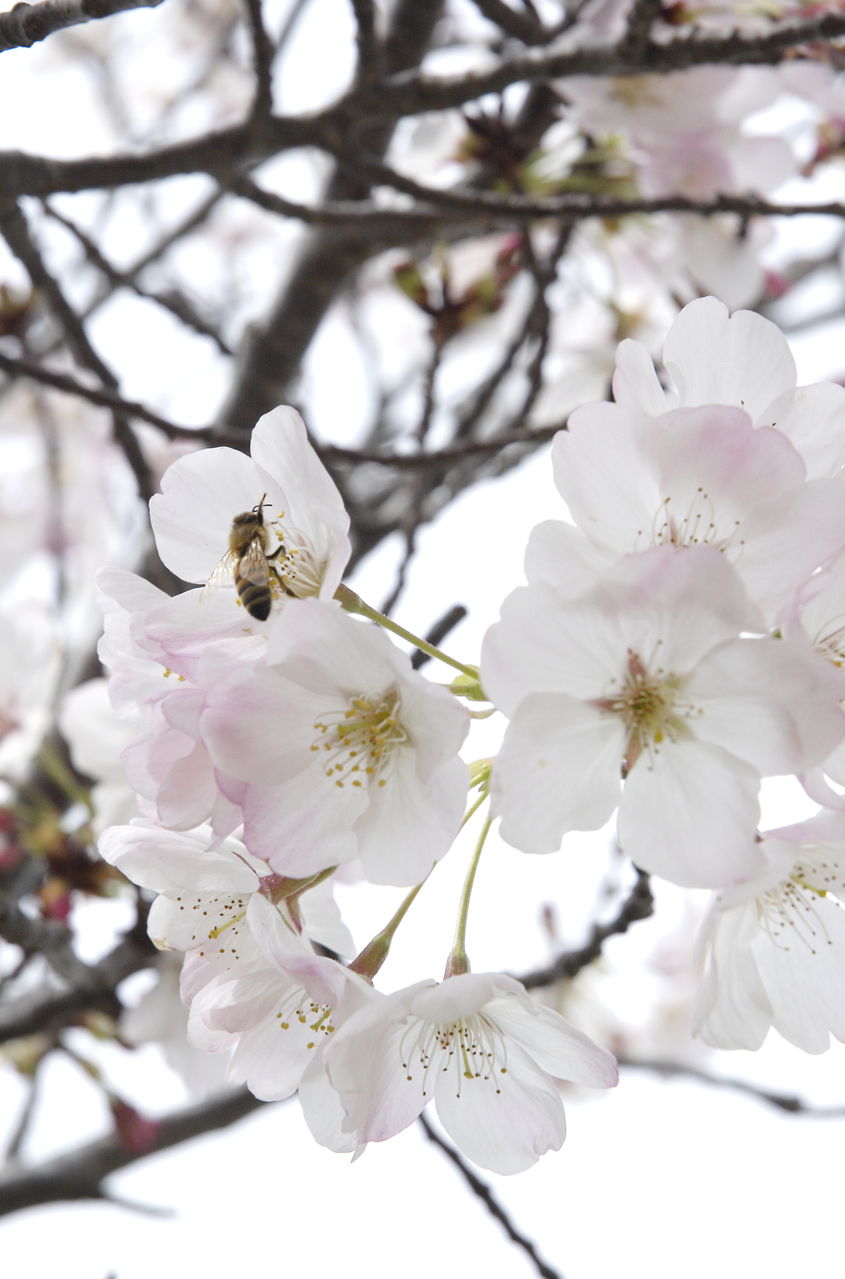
(341, 750)
(651, 676)
(775, 945)
(201, 494)
(482, 1049)
(687, 131)
(712, 357)
(700, 476)
(204, 888)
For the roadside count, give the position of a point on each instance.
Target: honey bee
(248, 562)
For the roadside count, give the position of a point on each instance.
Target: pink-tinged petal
(273, 935)
(732, 1009)
(272, 1056)
(503, 1121)
(605, 468)
(243, 998)
(555, 1045)
(280, 446)
(802, 971)
(323, 1111)
(787, 538)
(714, 463)
(768, 701)
(169, 861)
(546, 641)
(192, 516)
(303, 827)
(262, 730)
(690, 813)
(407, 827)
(678, 605)
(714, 358)
(813, 419)
(368, 1063)
(558, 770)
(561, 556)
(187, 794)
(320, 646)
(635, 380)
(461, 996)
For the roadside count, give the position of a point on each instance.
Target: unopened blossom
(713, 357)
(775, 945)
(303, 512)
(481, 1049)
(340, 749)
(652, 677)
(699, 477)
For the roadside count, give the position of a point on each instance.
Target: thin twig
(639, 904)
(791, 1103)
(485, 1194)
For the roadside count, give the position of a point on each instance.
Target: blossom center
(651, 706)
(360, 740)
(469, 1048)
(789, 911)
(692, 524)
(298, 1010)
(831, 644)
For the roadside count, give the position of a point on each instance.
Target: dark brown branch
(272, 353)
(511, 22)
(369, 69)
(491, 1203)
(21, 242)
(262, 60)
(639, 904)
(16, 367)
(411, 92)
(791, 1103)
(26, 24)
(81, 1173)
(577, 205)
(93, 987)
(220, 152)
(176, 304)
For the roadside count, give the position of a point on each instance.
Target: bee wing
(224, 571)
(253, 565)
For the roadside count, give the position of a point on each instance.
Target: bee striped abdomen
(255, 597)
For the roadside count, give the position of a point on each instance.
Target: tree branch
(81, 1174)
(639, 904)
(491, 1203)
(26, 24)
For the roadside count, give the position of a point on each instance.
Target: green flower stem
(371, 958)
(458, 962)
(354, 604)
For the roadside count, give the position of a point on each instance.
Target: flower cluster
(678, 640)
(274, 737)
